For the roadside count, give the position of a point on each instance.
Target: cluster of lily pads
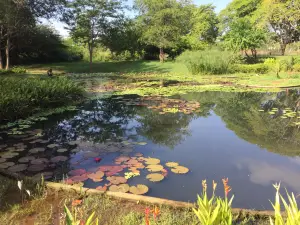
(163, 105)
(286, 113)
(115, 177)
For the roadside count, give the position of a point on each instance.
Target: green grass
(20, 97)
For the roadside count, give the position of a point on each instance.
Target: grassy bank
(20, 97)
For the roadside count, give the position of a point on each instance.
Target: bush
(252, 68)
(18, 69)
(20, 97)
(207, 61)
(296, 68)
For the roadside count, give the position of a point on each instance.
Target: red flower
(156, 212)
(227, 188)
(97, 160)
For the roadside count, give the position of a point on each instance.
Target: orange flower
(227, 188)
(156, 212)
(147, 212)
(214, 185)
(76, 202)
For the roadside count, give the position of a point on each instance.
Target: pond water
(251, 138)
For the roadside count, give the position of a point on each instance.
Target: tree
(242, 36)
(88, 21)
(162, 22)
(283, 18)
(204, 29)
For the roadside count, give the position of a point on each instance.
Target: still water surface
(234, 135)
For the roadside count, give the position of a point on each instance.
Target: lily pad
(79, 178)
(119, 188)
(9, 155)
(139, 155)
(5, 165)
(122, 159)
(26, 159)
(141, 143)
(61, 150)
(2, 160)
(96, 177)
(180, 170)
(77, 172)
(172, 164)
(101, 188)
(36, 150)
(44, 141)
(140, 189)
(52, 146)
(152, 161)
(59, 159)
(155, 168)
(132, 174)
(45, 175)
(39, 161)
(18, 168)
(155, 177)
(73, 143)
(36, 168)
(117, 180)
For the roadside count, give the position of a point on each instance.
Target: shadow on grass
(108, 67)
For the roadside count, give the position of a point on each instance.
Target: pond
(251, 138)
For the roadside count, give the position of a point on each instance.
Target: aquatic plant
(71, 218)
(214, 210)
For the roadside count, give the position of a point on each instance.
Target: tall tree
(163, 22)
(88, 21)
(283, 18)
(204, 30)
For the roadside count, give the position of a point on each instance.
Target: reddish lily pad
(81, 178)
(59, 159)
(122, 159)
(117, 180)
(18, 168)
(96, 177)
(77, 172)
(101, 188)
(39, 161)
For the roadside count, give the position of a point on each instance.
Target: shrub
(18, 69)
(207, 61)
(20, 97)
(252, 68)
(296, 68)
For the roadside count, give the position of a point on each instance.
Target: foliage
(71, 219)
(214, 210)
(163, 22)
(207, 61)
(243, 36)
(291, 209)
(204, 29)
(252, 68)
(20, 97)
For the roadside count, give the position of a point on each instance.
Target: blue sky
(220, 4)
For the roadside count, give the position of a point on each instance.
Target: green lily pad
(59, 159)
(180, 170)
(36, 150)
(40, 161)
(2, 160)
(155, 177)
(152, 161)
(45, 175)
(155, 168)
(119, 188)
(26, 159)
(117, 180)
(18, 168)
(62, 150)
(172, 164)
(36, 168)
(140, 189)
(9, 155)
(5, 165)
(52, 146)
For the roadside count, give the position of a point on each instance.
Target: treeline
(160, 28)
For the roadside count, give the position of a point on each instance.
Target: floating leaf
(96, 177)
(117, 180)
(59, 159)
(155, 177)
(9, 155)
(52, 146)
(138, 154)
(155, 168)
(119, 188)
(5, 165)
(80, 178)
(122, 159)
(17, 168)
(73, 143)
(77, 172)
(131, 174)
(172, 164)
(36, 150)
(36, 168)
(2, 160)
(140, 189)
(45, 175)
(152, 161)
(61, 150)
(180, 170)
(141, 143)
(101, 188)
(39, 161)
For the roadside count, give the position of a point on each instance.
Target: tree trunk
(246, 54)
(7, 51)
(91, 56)
(161, 55)
(254, 53)
(1, 62)
(282, 48)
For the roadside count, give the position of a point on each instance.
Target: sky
(220, 4)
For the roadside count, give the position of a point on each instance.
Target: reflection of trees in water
(99, 120)
(240, 113)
